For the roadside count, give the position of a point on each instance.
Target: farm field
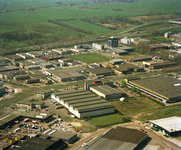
(101, 18)
(90, 58)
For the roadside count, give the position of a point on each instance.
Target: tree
(133, 88)
(138, 90)
(126, 119)
(123, 83)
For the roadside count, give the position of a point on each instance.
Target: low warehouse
(119, 138)
(168, 91)
(170, 126)
(83, 103)
(38, 143)
(100, 71)
(106, 91)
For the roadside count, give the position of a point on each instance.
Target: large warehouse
(119, 139)
(66, 74)
(167, 89)
(170, 126)
(83, 103)
(106, 91)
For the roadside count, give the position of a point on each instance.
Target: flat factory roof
(101, 101)
(78, 101)
(100, 70)
(78, 97)
(94, 107)
(170, 124)
(72, 95)
(166, 86)
(105, 89)
(118, 139)
(68, 74)
(68, 92)
(8, 68)
(64, 135)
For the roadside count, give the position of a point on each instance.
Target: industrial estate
(121, 91)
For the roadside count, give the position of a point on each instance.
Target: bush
(126, 119)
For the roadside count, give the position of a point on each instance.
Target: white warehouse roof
(171, 124)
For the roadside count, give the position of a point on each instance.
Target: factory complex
(83, 103)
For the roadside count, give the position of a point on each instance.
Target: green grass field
(135, 106)
(107, 120)
(90, 58)
(32, 16)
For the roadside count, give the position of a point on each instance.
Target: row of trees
(111, 20)
(86, 31)
(133, 88)
(22, 36)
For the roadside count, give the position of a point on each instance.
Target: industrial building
(9, 116)
(119, 51)
(138, 59)
(46, 65)
(85, 46)
(78, 50)
(139, 40)
(87, 85)
(170, 126)
(59, 70)
(83, 103)
(37, 61)
(106, 91)
(48, 58)
(127, 68)
(32, 67)
(162, 65)
(153, 47)
(62, 51)
(21, 77)
(65, 60)
(44, 94)
(14, 58)
(31, 104)
(167, 89)
(38, 143)
(113, 41)
(10, 74)
(100, 71)
(68, 76)
(119, 138)
(34, 54)
(65, 136)
(98, 46)
(116, 61)
(24, 55)
(126, 41)
(8, 68)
